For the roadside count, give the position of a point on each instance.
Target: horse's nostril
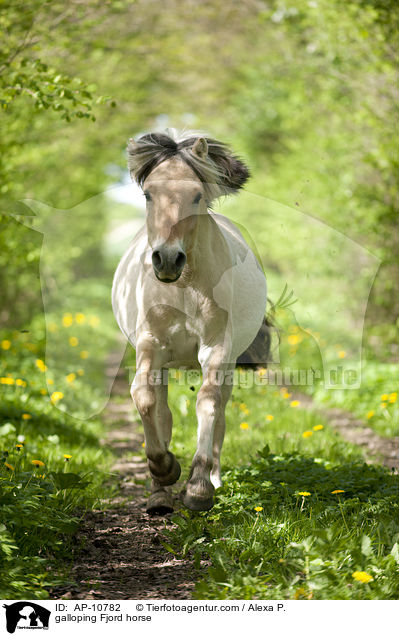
(157, 259)
(180, 260)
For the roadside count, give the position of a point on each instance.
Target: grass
(52, 467)
(300, 514)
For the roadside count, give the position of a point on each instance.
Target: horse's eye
(197, 198)
(147, 196)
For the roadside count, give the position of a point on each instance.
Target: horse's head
(179, 179)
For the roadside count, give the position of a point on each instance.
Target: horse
(189, 293)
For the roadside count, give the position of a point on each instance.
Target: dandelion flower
(80, 318)
(50, 381)
(41, 366)
(393, 397)
(8, 466)
(84, 355)
(143, 444)
(67, 320)
(270, 418)
(20, 382)
(318, 427)
(244, 426)
(56, 396)
(286, 395)
(73, 341)
(370, 414)
(362, 577)
(19, 446)
(384, 397)
(43, 391)
(7, 381)
(94, 321)
(26, 416)
(342, 354)
(262, 372)
(294, 403)
(304, 493)
(5, 344)
(80, 372)
(37, 463)
(337, 492)
(67, 457)
(306, 434)
(71, 377)
(258, 508)
(383, 405)
(293, 340)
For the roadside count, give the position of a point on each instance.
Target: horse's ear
(200, 148)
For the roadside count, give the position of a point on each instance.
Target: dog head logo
(26, 615)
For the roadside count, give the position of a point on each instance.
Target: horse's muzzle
(168, 263)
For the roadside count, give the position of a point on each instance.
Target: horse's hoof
(159, 503)
(197, 503)
(170, 477)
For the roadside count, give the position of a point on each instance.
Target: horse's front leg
(211, 402)
(150, 392)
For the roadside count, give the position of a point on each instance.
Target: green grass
(44, 494)
(294, 545)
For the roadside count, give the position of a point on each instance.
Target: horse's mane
(220, 171)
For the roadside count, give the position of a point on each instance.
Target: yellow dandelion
(67, 320)
(19, 446)
(384, 397)
(7, 381)
(71, 377)
(286, 396)
(94, 321)
(5, 344)
(243, 406)
(20, 382)
(383, 405)
(244, 426)
(393, 397)
(80, 372)
(318, 427)
(26, 416)
(50, 381)
(143, 444)
(342, 354)
(370, 414)
(294, 403)
(41, 366)
(56, 396)
(73, 341)
(8, 466)
(304, 493)
(258, 508)
(43, 391)
(293, 340)
(270, 418)
(37, 463)
(362, 577)
(80, 318)
(84, 355)
(337, 492)
(67, 457)
(306, 434)
(300, 592)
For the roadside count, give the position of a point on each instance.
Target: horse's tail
(258, 352)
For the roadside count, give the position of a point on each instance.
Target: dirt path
(122, 556)
(384, 450)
